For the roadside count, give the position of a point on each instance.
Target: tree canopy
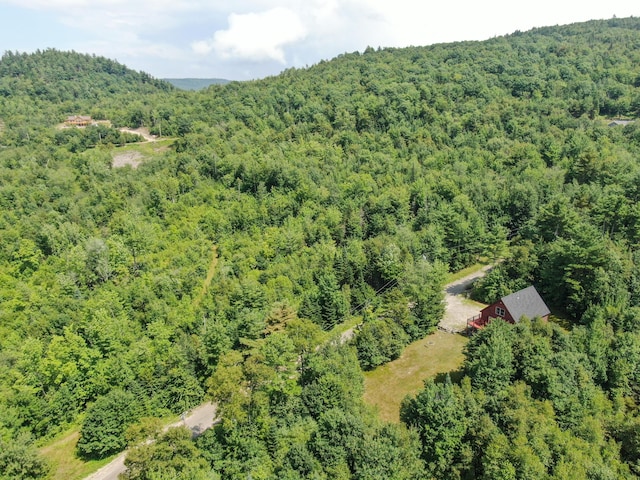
(278, 209)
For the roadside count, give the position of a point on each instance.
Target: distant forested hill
(57, 76)
(40, 89)
(287, 206)
(195, 83)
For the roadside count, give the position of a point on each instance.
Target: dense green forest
(288, 205)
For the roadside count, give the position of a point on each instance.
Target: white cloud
(408, 22)
(99, 5)
(255, 36)
(252, 38)
(99, 16)
(202, 47)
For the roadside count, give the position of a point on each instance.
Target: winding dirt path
(142, 131)
(198, 420)
(210, 273)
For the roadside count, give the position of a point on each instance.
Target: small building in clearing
(79, 120)
(524, 303)
(619, 123)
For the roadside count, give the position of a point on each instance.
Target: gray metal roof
(525, 303)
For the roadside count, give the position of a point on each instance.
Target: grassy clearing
(66, 465)
(564, 323)
(473, 303)
(339, 329)
(453, 276)
(61, 454)
(386, 386)
(145, 148)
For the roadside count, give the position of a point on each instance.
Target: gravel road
(198, 420)
(143, 132)
(458, 308)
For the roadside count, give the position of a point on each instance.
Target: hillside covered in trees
(289, 205)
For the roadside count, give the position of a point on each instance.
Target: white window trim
(500, 312)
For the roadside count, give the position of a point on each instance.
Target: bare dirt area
(164, 148)
(142, 131)
(129, 158)
(347, 335)
(459, 307)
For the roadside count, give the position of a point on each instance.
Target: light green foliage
(423, 284)
(227, 385)
(490, 358)
(172, 456)
(19, 460)
(314, 427)
(345, 189)
(547, 419)
(331, 378)
(147, 428)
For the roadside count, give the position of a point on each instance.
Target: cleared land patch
(136, 153)
(386, 386)
(143, 132)
(64, 462)
(133, 158)
(438, 353)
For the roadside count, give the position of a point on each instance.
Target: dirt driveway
(142, 131)
(198, 420)
(459, 307)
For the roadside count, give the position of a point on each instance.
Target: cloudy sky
(247, 39)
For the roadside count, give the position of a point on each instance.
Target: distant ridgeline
(195, 83)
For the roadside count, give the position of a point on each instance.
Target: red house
(525, 303)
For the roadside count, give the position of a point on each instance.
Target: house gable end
(496, 310)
